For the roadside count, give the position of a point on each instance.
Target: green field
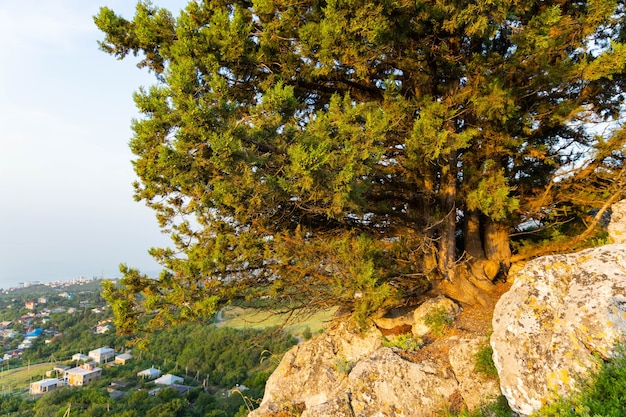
(19, 379)
(240, 318)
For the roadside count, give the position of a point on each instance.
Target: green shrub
(404, 342)
(343, 365)
(499, 407)
(438, 319)
(484, 362)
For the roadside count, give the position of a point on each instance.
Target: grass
(19, 379)
(602, 395)
(438, 320)
(405, 342)
(484, 362)
(239, 318)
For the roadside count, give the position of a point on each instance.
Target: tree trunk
(497, 244)
(472, 235)
(447, 236)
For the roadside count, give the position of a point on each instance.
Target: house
(123, 358)
(13, 354)
(30, 305)
(168, 379)
(78, 357)
(45, 385)
(42, 300)
(34, 333)
(102, 328)
(102, 355)
(149, 373)
(26, 343)
(82, 375)
(57, 371)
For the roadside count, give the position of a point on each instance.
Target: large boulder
(312, 372)
(561, 313)
(617, 225)
(343, 373)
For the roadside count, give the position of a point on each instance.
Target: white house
(45, 385)
(149, 373)
(168, 379)
(80, 357)
(123, 358)
(102, 355)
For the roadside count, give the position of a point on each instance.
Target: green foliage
(601, 395)
(438, 319)
(405, 342)
(484, 362)
(323, 154)
(499, 407)
(306, 333)
(342, 365)
(209, 350)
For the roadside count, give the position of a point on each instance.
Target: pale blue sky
(66, 206)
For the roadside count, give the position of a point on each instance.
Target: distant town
(54, 284)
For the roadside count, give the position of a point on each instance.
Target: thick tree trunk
(472, 236)
(447, 236)
(497, 244)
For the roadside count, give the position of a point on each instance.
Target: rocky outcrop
(560, 312)
(343, 373)
(617, 226)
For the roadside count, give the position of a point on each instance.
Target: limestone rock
(617, 226)
(333, 376)
(475, 389)
(387, 385)
(420, 327)
(314, 372)
(397, 318)
(559, 311)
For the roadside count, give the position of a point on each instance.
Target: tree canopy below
(359, 152)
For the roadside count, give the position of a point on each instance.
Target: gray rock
(475, 389)
(341, 373)
(559, 312)
(617, 225)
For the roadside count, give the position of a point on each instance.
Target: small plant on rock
(484, 362)
(438, 320)
(343, 365)
(405, 342)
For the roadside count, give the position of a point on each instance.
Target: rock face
(560, 311)
(341, 373)
(617, 226)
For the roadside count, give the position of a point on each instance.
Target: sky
(66, 205)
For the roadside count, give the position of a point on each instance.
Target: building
(123, 358)
(168, 379)
(103, 328)
(149, 373)
(79, 357)
(82, 375)
(45, 385)
(102, 355)
(30, 305)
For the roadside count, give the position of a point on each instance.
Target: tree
(331, 152)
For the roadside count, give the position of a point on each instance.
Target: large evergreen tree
(328, 152)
